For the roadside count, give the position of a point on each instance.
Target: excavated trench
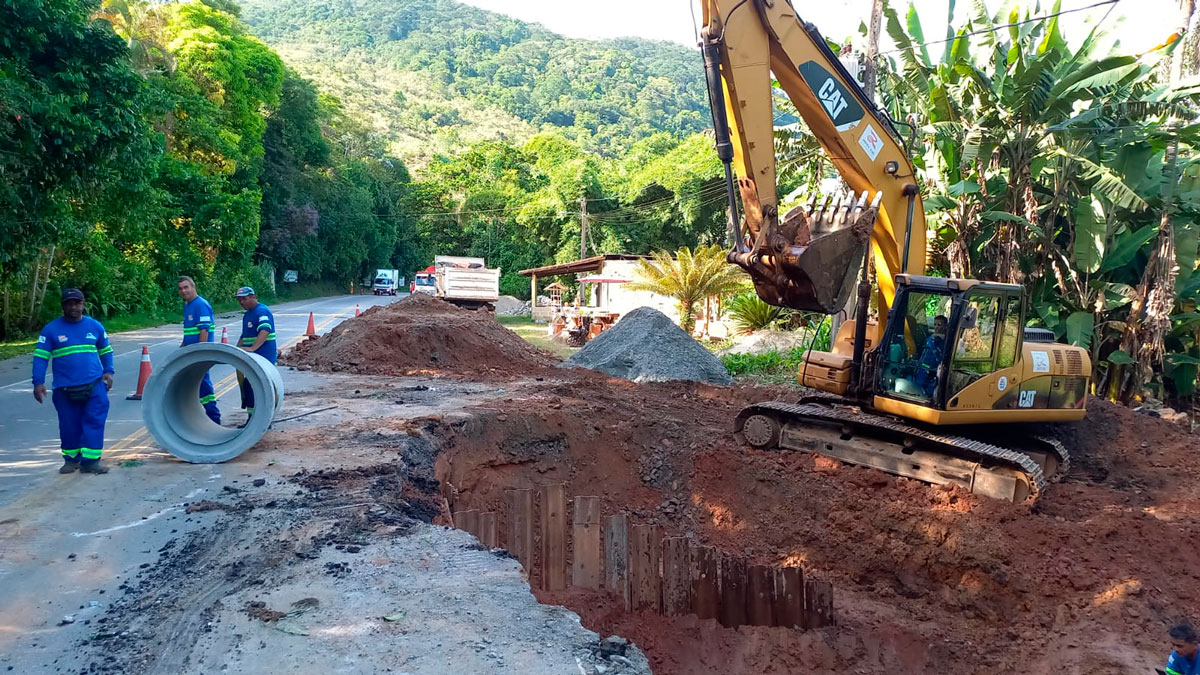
(926, 579)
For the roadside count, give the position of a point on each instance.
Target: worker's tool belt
(80, 393)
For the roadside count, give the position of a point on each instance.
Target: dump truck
(466, 282)
(424, 281)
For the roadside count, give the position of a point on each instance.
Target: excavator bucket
(811, 260)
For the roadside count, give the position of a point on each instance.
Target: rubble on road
(647, 346)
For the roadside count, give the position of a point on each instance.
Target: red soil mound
(420, 335)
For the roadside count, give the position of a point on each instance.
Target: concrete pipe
(176, 419)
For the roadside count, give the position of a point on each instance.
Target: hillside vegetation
(433, 74)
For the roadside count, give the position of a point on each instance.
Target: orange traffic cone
(312, 327)
(143, 375)
(356, 312)
(224, 335)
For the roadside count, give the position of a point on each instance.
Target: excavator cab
(943, 335)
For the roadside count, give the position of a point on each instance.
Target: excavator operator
(925, 376)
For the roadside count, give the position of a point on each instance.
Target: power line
(993, 29)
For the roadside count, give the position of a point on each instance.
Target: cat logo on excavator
(844, 110)
(831, 98)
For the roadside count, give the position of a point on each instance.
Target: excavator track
(846, 432)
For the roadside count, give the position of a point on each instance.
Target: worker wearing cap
(199, 326)
(258, 336)
(78, 348)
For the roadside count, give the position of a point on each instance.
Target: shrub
(750, 313)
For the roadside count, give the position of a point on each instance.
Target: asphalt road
(29, 444)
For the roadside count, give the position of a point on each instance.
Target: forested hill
(432, 75)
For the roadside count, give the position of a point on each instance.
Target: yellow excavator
(944, 390)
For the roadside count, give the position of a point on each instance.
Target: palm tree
(141, 23)
(689, 277)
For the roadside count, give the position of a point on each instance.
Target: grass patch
(22, 347)
(767, 368)
(534, 334)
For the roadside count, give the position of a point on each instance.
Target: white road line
(144, 519)
(156, 344)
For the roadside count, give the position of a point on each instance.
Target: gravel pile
(507, 305)
(647, 346)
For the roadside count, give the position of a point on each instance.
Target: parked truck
(425, 281)
(466, 282)
(387, 282)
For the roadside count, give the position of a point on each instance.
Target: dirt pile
(926, 579)
(420, 335)
(646, 346)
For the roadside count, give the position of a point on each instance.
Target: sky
(1139, 24)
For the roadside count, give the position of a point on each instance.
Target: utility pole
(870, 73)
(583, 227)
(870, 83)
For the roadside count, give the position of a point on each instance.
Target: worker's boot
(69, 467)
(93, 467)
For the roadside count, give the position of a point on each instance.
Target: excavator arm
(810, 257)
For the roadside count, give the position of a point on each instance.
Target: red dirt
(420, 335)
(925, 579)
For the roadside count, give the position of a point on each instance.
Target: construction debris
(420, 335)
(647, 346)
(763, 341)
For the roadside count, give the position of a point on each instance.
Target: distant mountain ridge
(431, 75)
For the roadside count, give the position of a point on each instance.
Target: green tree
(690, 277)
(71, 127)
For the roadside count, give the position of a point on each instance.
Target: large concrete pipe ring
(175, 416)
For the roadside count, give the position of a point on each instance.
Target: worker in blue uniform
(199, 326)
(1185, 658)
(82, 358)
(925, 376)
(258, 336)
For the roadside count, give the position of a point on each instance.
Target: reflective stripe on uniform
(106, 350)
(41, 354)
(73, 453)
(211, 398)
(90, 453)
(1172, 671)
(250, 340)
(192, 331)
(75, 349)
